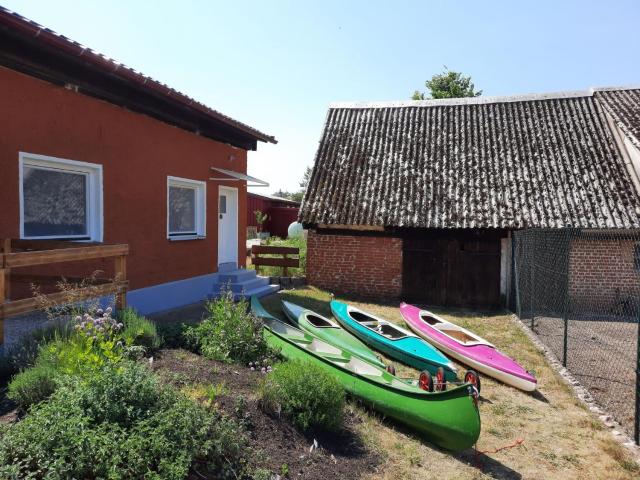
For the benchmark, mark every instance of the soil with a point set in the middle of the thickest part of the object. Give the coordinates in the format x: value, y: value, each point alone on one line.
x: 275, y: 440
x: 8, y: 410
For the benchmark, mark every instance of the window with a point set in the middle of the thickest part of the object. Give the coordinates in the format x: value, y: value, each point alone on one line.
x: 186, y: 212
x: 60, y: 198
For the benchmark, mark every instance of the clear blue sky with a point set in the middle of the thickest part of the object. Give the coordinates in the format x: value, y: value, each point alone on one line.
x: 278, y: 64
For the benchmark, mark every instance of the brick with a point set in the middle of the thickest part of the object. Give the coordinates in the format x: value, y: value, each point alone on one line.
x: 366, y: 266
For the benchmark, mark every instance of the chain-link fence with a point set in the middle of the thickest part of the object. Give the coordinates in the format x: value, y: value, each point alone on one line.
x: 579, y: 291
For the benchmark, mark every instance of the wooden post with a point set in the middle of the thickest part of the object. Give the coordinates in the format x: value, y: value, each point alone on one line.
x: 6, y: 248
x: 121, y: 276
x: 285, y: 269
x: 2, y: 299
x: 4, y: 284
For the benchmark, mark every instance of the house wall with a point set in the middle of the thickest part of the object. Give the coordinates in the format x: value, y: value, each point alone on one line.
x: 281, y: 214
x: 364, y: 265
x: 602, y: 275
x: 137, y: 153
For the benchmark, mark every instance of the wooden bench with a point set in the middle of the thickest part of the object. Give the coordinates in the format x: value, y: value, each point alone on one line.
x: 285, y: 262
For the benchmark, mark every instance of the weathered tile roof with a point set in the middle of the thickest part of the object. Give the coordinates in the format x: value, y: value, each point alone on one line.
x: 488, y: 162
x: 624, y: 107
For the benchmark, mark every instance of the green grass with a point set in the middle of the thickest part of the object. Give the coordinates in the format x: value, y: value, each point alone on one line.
x: 562, y: 439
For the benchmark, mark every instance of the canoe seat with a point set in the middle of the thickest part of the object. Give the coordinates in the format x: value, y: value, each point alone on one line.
x: 390, y: 332
x: 363, y: 368
x: 299, y: 340
x: 324, y: 348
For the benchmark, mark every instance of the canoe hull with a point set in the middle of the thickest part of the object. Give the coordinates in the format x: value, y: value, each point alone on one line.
x: 410, y: 350
x: 448, y: 419
x: 460, y: 353
x: 452, y: 423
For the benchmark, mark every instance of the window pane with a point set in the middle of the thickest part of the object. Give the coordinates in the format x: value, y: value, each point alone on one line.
x: 182, y: 210
x: 223, y: 204
x: 55, y: 203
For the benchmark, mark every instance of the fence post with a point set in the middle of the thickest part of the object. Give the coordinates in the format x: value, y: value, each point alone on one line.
x: 2, y: 300
x: 5, y: 246
x: 566, y: 335
x: 636, y: 418
x: 567, y: 300
x: 121, y: 276
x: 533, y: 281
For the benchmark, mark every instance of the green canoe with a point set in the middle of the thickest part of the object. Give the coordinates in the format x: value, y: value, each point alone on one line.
x: 449, y: 419
x: 328, y: 330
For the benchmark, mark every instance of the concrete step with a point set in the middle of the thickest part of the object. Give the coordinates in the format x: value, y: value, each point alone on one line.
x: 236, y: 276
x: 249, y: 284
x: 260, y: 291
x: 227, y: 267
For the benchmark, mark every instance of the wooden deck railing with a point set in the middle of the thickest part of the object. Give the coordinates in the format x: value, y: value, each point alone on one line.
x: 285, y: 262
x: 28, y: 253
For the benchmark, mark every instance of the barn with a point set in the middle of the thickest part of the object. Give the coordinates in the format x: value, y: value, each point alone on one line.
x: 95, y: 152
x: 419, y: 199
x: 281, y: 212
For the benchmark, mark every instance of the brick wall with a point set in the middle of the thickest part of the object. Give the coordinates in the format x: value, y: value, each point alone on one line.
x: 369, y: 266
x: 602, y: 274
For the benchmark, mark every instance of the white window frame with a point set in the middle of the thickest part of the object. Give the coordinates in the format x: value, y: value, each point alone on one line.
x: 201, y: 207
x: 93, y: 172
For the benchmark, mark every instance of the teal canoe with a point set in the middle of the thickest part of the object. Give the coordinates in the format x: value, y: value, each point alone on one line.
x: 392, y: 340
x: 328, y: 330
x: 449, y: 419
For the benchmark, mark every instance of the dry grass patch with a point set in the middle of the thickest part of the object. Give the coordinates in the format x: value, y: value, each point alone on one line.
x: 562, y: 439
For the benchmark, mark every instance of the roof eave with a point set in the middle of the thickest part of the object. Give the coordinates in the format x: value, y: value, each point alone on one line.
x: 57, y: 47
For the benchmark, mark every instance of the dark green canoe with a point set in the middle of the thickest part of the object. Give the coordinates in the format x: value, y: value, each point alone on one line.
x: 449, y: 419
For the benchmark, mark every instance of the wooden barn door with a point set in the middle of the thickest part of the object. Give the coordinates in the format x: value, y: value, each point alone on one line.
x: 452, y: 268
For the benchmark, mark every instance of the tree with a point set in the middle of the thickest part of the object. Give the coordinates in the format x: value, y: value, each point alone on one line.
x: 305, y: 179
x: 296, y: 196
x: 448, y: 84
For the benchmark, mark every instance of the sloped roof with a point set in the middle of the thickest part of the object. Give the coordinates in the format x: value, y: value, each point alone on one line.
x: 624, y: 107
x: 487, y: 162
x: 65, y: 60
x: 274, y: 198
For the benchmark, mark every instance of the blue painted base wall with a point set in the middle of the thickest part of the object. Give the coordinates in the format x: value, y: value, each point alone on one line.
x: 171, y: 295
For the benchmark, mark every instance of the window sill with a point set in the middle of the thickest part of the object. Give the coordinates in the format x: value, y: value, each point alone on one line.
x: 186, y: 237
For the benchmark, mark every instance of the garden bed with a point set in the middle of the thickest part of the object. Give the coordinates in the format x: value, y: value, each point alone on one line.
x: 547, y: 434
x: 279, y: 447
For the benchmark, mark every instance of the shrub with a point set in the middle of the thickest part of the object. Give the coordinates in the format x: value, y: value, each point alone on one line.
x: 119, y: 424
x: 137, y: 390
x: 33, y: 385
x: 81, y: 350
x: 310, y: 396
x: 229, y: 333
x: 139, y: 330
x: 172, y: 334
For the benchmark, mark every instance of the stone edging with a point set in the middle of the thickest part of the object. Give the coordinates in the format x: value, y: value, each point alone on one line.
x: 288, y: 282
x: 582, y: 393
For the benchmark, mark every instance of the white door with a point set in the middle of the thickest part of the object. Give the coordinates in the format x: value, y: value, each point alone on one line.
x: 227, y: 225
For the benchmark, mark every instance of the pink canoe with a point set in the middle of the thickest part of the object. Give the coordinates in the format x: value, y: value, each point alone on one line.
x: 467, y: 347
